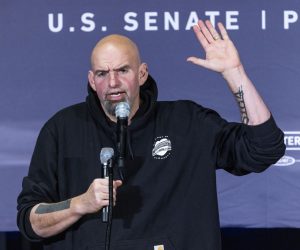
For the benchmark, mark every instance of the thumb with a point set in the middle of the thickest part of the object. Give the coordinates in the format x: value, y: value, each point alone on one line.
x: 118, y: 183
x: 197, y: 61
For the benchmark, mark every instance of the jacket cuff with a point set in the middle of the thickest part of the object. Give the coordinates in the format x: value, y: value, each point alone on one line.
x: 262, y: 130
x: 28, y: 231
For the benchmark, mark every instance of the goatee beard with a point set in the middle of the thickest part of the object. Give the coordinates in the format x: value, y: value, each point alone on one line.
x: 109, y: 107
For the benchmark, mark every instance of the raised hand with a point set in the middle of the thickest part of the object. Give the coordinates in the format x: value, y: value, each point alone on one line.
x: 221, y: 54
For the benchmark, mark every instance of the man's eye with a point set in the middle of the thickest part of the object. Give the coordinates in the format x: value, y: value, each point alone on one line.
x: 123, y: 71
x: 101, y: 74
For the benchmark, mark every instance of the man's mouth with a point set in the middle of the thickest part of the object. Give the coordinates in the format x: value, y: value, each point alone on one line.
x: 115, y: 96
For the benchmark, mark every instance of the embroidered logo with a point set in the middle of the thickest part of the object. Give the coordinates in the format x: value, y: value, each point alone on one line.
x: 162, y: 147
x: 159, y: 247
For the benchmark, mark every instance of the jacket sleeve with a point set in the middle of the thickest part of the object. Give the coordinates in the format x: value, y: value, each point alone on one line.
x: 242, y: 149
x: 40, y: 185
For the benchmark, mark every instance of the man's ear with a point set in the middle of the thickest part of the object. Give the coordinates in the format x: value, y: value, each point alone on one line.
x: 91, y: 80
x: 143, y: 73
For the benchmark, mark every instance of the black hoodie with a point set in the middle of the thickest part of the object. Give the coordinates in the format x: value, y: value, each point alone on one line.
x: 169, y: 196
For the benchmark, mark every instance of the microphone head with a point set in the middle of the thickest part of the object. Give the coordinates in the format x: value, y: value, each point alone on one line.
x: 122, y: 110
x: 106, y: 154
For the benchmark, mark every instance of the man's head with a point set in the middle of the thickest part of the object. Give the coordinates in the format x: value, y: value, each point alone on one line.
x: 117, y: 73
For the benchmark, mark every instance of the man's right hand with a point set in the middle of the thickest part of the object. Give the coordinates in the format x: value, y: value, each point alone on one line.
x: 48, y: 219
x: 96, y: 197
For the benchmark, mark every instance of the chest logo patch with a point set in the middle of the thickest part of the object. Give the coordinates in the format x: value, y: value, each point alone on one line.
x: 162, y: 147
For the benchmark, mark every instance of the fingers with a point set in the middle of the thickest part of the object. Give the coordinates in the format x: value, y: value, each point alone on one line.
x: 102, y: 184
x: 200, y: 36
x: 207, y: 34
x: 100, y: 191
x: 223, y: 31
x: 215, y: 35
x: 117, y: 183
x: 207, y: 30
x: 210, y: 39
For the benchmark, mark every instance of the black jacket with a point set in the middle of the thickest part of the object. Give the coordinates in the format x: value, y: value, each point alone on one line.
x: 169, y: 196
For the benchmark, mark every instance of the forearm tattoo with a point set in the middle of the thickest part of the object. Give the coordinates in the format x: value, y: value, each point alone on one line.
x: 50, y: 208
x: 240, y: 99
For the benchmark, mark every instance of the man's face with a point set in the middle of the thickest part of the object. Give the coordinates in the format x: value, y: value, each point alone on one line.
x: 115, y: 76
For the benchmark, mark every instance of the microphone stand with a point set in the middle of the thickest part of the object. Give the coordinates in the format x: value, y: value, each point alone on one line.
x: 122, y: 124
x: 122, y: 112
x: 110, y: 206
x: 106, y: 158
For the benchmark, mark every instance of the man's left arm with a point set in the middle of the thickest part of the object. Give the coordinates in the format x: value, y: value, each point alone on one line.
x: 223, y: 57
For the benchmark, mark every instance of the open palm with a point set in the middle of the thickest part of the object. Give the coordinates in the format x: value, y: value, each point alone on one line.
x: 221, y: 54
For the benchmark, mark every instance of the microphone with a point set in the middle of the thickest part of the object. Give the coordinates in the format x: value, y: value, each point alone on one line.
x: 122, y: 112
x: 106, y: 155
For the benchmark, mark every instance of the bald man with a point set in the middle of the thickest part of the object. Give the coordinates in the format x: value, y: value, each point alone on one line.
x: 117, y: 73
x: 168, y: 199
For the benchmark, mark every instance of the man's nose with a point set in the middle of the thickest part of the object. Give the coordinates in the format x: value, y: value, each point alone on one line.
x: 113, y: 79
